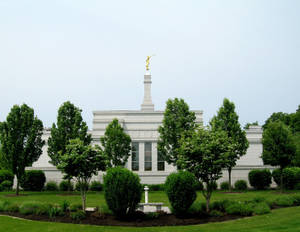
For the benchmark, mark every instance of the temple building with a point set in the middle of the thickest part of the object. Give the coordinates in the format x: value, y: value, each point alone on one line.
x: 142, y: 126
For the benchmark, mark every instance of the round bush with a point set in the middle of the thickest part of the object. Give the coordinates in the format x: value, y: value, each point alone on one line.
x: 65, y: 185
x: 51, y: 186
x: 181, y: 191
x: 240, y: 185
x: 96, y: 186
x: 224, y: 185
x: 261, y: 208
x: 290, y: 177
x: 33, y: 180
x: 122, y: 191
x: 7, y: 185
x: 260, y: 178
x: 6, y: 175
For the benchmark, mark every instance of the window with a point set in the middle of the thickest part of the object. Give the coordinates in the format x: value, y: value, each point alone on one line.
x: 135, y: 157
x: 160, y: 162
x: 148, y: 156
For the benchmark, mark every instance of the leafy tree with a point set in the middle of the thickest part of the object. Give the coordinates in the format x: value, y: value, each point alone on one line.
x: 70, y: 125
x: 21, y: 140
x: 295, y: 121
x: 227, y: 120
x: 247, y: 126
x: 116, y: 144
x: 178, y: 120
x: 205, y: 154
x: 279, y: 116
x: 82, y: 162
x: 278, y: 146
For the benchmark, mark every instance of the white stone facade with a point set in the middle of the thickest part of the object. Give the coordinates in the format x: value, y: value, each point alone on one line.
x: 142, y: 126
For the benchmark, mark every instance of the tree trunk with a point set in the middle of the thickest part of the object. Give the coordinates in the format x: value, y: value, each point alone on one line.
x: 83, y: 197
x: 229, y: 180
x: 281, y: 181
x: 207, y: 204
x: 17, y: 190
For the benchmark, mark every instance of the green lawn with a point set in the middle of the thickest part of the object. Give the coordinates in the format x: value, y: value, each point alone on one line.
x: 281, y: 220
x: 97, y: 199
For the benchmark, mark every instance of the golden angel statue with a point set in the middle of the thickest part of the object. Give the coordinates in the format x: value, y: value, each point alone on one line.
x: 148, y: 62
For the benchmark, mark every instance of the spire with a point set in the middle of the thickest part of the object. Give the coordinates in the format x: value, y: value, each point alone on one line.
x: 147, y: 103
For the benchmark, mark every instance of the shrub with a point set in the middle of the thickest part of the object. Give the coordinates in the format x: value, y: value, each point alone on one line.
x: 123, y: 191
x: 181, y: 191
x: 296, y: 199
x: 6, y: 175
x: 75, y: 207
x: 1, y: 188
x: 290, y: 177
x: 239, y: 208
x: 65, y: 206
x: 261, y: 208
x: 33, y: 180
x: 260, y: 178
x: 297, y: 186
x: 284, y: 201
x: 78, y: 216
x: 197, y: 208
x: 96, y: 186
x: 7, y: 185
x: 240, y: 185
x: 55, y: 211
x: 216, y: 213
x: 224, y: 185
x: 3, y: 205
x: 65, y: 185
x: 33, y: 208
x: 51, y: 186
x: 11, y: 208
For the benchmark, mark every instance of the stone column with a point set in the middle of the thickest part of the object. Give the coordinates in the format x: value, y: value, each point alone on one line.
x: 147, y: 103
x: 154, y: 156
x: 141, y: 156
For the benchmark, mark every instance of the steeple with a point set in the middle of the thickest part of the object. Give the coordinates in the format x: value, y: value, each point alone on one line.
x: 147, y: 103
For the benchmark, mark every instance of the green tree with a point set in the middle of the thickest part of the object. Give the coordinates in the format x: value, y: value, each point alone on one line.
x: 278, y: 146
x: 178, y: 121
x: 279, y: 116
x: 21, y: 140
x: 247, y: 126
x: 205, y: 154
x: 70, y: 125
x: 82, y: 162
x: 116, y: 144
x: 228, y: 121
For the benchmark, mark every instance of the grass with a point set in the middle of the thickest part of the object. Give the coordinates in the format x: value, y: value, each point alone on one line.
x: 280, y: 220
x: 97, y: 198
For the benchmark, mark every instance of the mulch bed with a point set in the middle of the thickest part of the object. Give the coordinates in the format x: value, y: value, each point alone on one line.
x: 109, y: 220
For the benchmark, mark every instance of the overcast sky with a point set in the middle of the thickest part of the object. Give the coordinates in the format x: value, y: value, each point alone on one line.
x: 93, y: 53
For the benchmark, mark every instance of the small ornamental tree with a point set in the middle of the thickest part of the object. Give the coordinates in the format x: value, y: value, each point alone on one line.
x: 178, y: 120
x: 116, y: 144
x: 227, y: 120
x: 205, y: 154
x: 70, y: 125
x: 278, y: 146
x: 82, y: 162
x: 21, y: 140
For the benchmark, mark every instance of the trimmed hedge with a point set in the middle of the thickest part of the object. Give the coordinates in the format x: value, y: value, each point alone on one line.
x: 240, y: 185
x: 6, y: 175
x: 65, y: 185
x: 224, y: 185
x: 181, y: 191
x: 260, y: 178
x: 122, y: 191
x: 51, y: 186
x: 33, y: 180
x: 96, y: 186
x: 290, y: 177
